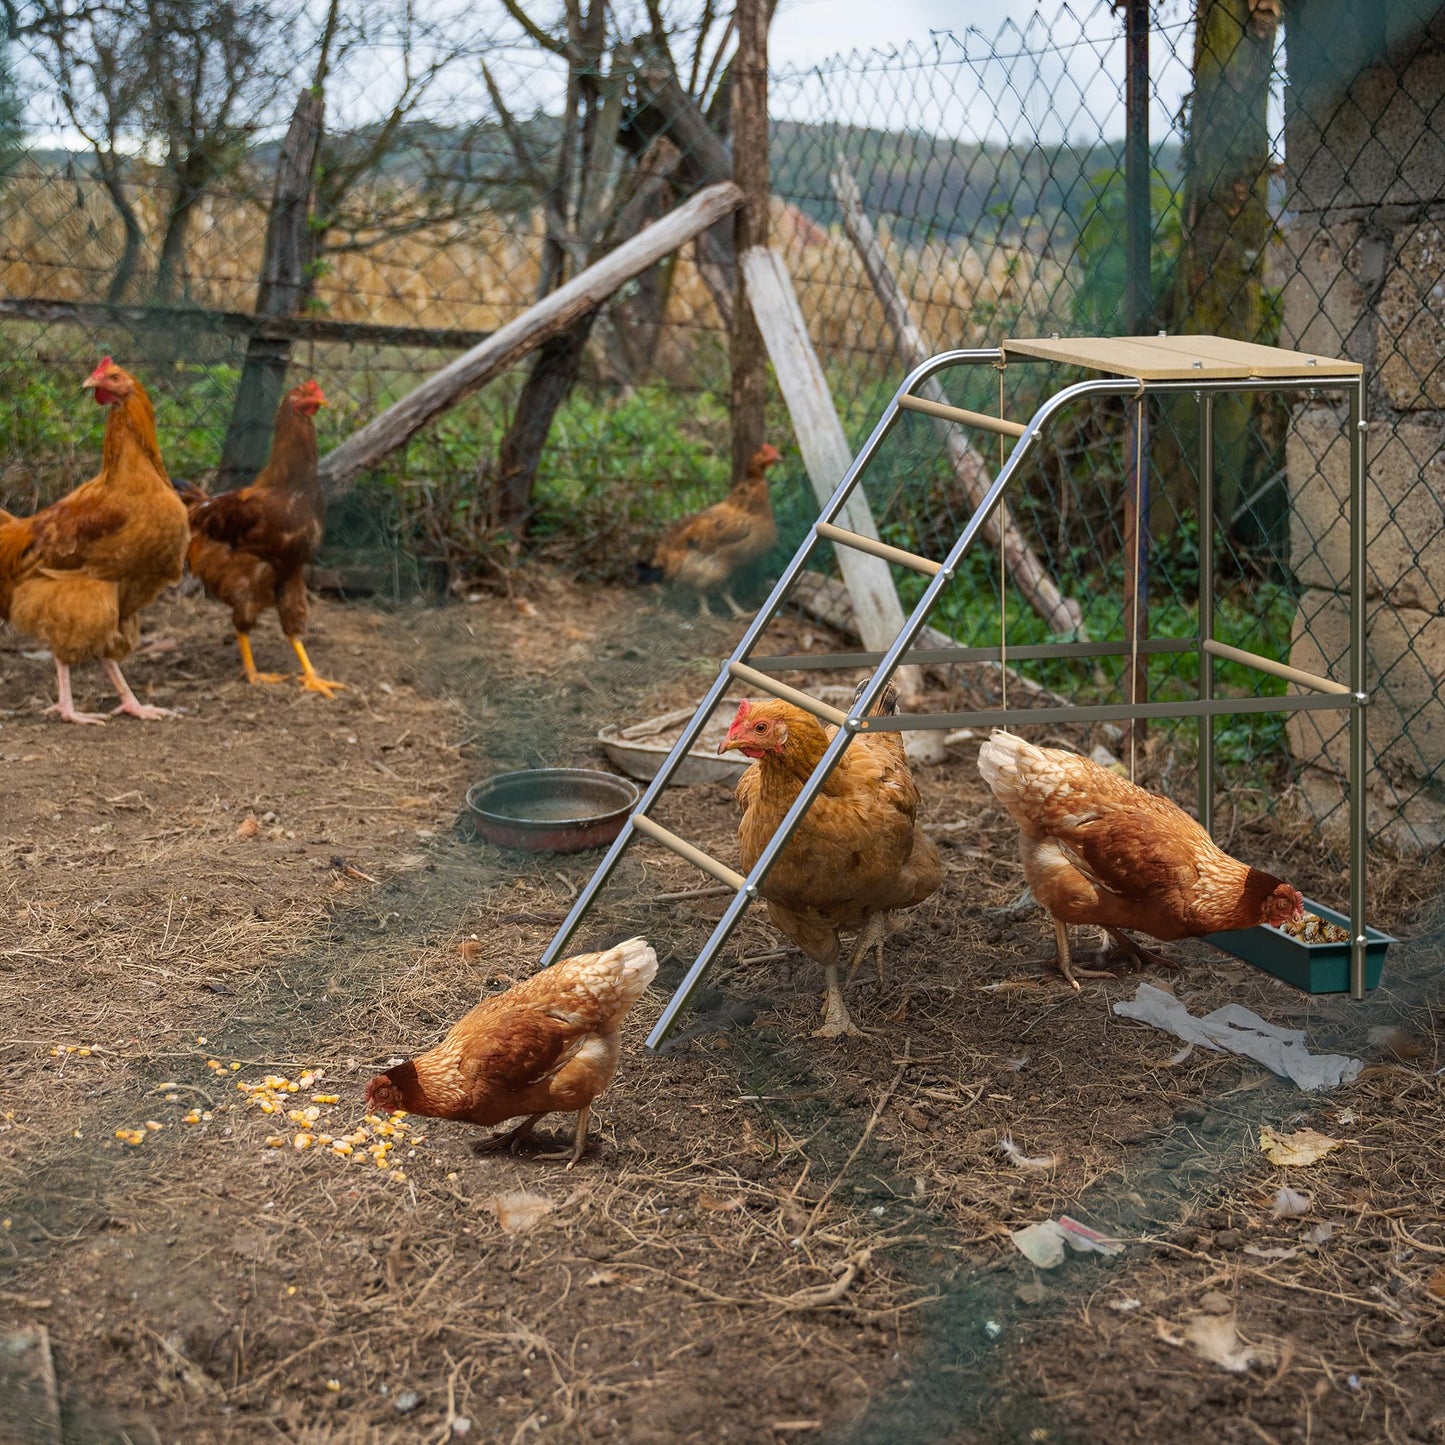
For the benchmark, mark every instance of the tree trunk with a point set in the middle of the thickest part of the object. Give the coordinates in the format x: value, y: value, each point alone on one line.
x: 192, y: 179
x: 125, y: 268
x: 285, y: 283
x: 553, y: 373
x: 1225, y: 225
x: 746, y: 356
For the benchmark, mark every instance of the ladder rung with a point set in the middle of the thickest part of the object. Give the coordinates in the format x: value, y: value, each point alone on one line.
x: 764, y: 683
x: 960, y: 414
x: 877, y: 549
x: 1275, y: 669
x: 684, y: 849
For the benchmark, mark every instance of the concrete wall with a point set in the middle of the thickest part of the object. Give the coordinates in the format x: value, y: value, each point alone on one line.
x: 1365, y: 155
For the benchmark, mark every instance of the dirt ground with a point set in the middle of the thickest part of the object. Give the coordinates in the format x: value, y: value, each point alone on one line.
x: 772, y: 1237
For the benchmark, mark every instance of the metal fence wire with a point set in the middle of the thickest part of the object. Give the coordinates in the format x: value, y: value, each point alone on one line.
x: 452, y: 178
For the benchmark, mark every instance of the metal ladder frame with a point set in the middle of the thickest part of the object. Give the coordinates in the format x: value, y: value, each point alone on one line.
x: 1324, y: 694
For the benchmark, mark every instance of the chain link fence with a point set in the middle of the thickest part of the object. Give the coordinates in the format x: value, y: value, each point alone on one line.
x: 460, y: 176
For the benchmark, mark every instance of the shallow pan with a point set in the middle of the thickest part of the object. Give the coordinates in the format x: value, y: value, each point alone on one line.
x: 552, y: 810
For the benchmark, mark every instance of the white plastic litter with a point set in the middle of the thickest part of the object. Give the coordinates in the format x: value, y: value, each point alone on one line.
x: 1237, y: 1030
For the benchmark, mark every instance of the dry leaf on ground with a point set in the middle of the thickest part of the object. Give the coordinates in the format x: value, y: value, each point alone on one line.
x: 1306, y: 1146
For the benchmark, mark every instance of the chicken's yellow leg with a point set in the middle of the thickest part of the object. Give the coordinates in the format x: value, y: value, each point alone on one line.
x: 1065, y: 964
x: 309, y: 678
x: 579, y: 1146
x: 243, y: 641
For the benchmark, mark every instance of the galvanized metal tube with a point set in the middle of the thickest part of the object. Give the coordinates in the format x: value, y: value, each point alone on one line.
x: 1206, y: 608
x: 863, y: 703
x: 1359, y: 740
x: 756, y: 874
x: 761, y: 680
x: 687, y: 851
x: 845, y: 538
x: 971, y: 356
x: 929, y: 656
x: 980, y: 419
x: 1108, y: 712
x: 1275, y: 669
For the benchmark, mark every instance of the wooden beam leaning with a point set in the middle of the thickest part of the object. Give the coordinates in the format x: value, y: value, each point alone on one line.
x: 709, y: 865
x: 876, y: 548
x: 510, y: 343
x: 980, y: 419
x: 764, y: 683
x: 1275, y: 669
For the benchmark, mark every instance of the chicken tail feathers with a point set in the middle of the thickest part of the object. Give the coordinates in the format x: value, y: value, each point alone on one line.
x: 886, y: 703
x: 1006, y: 761
x: 632, y: 965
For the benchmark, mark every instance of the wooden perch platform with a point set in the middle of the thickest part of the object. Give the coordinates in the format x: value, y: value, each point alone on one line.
x: 510, y: 343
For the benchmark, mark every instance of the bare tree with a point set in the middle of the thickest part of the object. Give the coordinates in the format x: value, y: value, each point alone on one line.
x: 193, y: 79
x: 613, y: 165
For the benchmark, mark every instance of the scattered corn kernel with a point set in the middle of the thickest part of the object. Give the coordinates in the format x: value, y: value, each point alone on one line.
x: 303, y: 1141
x: 84, y: 1053
x: 165, y: 1088
x: 326, y: 1098
x: 290, y: 1289
x: 5, y: 1223
x: 451, y: 1176
x: 340, y: 1146
x: 201, y: 1039
x: 235, y: 1065
x: 130, y: 1136
x: 397, y: 1174
x: 153, y: 1126
x: 334, y: 1386
x: 272, y: 1142
x: 192, y: 1118
x: 292, y: 1087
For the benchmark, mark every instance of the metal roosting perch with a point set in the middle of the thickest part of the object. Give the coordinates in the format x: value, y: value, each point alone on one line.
x: 1132, y: 369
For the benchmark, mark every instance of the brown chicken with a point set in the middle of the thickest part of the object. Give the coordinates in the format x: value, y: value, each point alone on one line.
x: 703, y: 552
x: 857, y: 854
x: 1099, y: 849
x: 76, y: 574
x: 251, y: 547
x: 548, y: 1043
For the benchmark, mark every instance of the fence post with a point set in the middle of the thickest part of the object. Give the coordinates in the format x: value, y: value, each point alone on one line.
x: 1137, y: 224
x: 747, y: 359
x: 283, y: 286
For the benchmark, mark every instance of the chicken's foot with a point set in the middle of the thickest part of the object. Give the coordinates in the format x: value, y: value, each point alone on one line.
x: 703, y: 610
x: 1064, y: 963
x: 129, y: 702
x: 309, y: 678
x: 511, y: 1137
x: 836, y: 1019
x: 243, y: 642
x: 733, y: 606
x: 65, y: 707
x: 573, y: 1154
x: 1125, y: 947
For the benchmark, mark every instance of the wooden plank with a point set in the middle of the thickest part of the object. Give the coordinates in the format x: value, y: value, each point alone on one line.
x: 826, y: 455
x: 1173, y: 358
x: 1030, y: 576
x: 509, y: 344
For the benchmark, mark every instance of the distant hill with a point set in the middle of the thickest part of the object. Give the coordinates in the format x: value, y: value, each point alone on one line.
x: 932, y: 188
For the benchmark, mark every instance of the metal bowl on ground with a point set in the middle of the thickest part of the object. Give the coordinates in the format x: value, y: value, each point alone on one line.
x: 552, y: 810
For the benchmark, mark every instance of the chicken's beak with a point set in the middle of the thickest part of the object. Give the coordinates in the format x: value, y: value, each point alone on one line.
x: 726, y: 745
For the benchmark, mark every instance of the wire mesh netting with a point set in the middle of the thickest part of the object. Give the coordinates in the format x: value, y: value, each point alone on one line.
x: 455, y: 177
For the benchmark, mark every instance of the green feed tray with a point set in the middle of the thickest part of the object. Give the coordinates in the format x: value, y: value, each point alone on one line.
x: 1313, y: 967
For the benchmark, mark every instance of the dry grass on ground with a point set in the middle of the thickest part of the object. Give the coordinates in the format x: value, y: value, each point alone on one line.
x: 772, y: 1238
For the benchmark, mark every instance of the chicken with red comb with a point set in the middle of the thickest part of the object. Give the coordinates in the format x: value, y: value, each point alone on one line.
x: 250, y: 548
x: 77, y: 574
x: 856, y: 856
